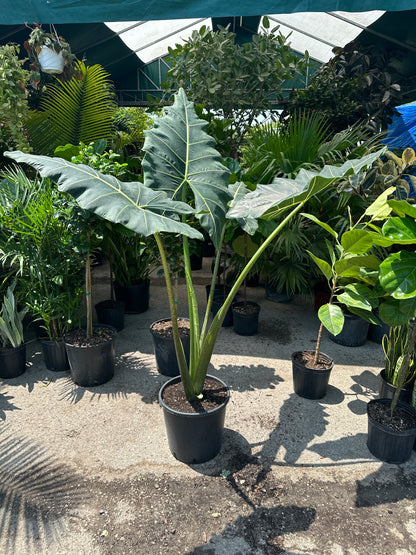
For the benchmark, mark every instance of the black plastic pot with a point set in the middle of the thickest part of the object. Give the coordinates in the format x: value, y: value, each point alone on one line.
x: 165, y: 353
x: 217, y: 303
x: 218, y: 290
x: 246, y: 323
x: 194, y: 437
x: 12, y: 361
x: 391, y: 446
x: 387, y: 390
x: 353, y: 334
x: 196, y: 262
x: 308, y: 382
x: 272, y: 294
x: 93, y: 365
x: 135, y: 297
x: 375, y: 333
x: 111, y: 313
x: 54, y: 355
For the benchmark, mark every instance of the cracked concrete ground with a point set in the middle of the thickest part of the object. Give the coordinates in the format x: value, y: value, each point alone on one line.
x: 88, y: 470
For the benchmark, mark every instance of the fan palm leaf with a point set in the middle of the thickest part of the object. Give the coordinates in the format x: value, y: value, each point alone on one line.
x: 79, y: 110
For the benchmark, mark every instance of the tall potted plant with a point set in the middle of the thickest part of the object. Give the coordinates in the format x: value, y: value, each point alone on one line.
x: 183, y: 174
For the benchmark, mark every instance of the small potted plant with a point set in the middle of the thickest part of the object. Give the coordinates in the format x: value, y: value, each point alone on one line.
x: 13, y: 348
x: 50, y: 53
x: 183, y: 174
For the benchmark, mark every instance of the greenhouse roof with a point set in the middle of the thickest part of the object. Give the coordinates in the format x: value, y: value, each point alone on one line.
x: 137, y: 33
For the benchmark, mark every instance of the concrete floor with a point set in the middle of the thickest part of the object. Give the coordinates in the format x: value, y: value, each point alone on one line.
x: 81, y: 469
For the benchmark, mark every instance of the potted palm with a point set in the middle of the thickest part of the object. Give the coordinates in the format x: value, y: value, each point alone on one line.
x: 183, y: 174
x: 13, y: 348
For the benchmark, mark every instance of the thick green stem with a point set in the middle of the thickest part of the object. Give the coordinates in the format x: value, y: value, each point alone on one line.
x: 180, y: 355
x: 208, y: 344
x: 88, y: 289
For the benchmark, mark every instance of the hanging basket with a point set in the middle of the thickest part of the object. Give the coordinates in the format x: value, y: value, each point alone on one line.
x: 50, y: 61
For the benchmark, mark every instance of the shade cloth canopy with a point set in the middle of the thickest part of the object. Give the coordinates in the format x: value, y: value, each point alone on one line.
x: 14, y: 12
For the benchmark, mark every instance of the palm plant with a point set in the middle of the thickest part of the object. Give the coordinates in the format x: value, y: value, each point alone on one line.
x: 183, y: 174
x: 79, y: 110
x: 304, y: 141
x: 38, y: 242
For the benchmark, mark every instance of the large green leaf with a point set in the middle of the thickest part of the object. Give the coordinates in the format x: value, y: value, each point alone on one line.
x: 397, y: 312
x: 268, y: 201
x: 357, y: 241
x: 400, y: 230
x: 403, y: 208
x: 322, y: 265
x: 180, y: 158
x: 350, y: 267
x: 357, y: 296
x: 398, y: 275
x: 332, y: 318
x: 132, y: 204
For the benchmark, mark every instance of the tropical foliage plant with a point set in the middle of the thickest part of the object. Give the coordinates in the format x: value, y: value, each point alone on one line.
x: 183, y: 174
x: 40, y: 244
x: 80, y: 110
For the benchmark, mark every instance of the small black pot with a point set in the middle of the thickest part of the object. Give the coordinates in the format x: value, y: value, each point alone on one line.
x: 387, y: 390
x: 93, y: 365
x: 165, y: 354
x: 218, y: 290
x: 353, y: 334
x: 194, y: 437
x: 12, y: 361
x: 135, y: 297
x: 54, y: 354
x: 272, y: 294
x: 308, y: 382
x: 111, y: 313
x: 246, y: 323
x: 217, y: 303
x: 196, y: 262
x: 391, y: 446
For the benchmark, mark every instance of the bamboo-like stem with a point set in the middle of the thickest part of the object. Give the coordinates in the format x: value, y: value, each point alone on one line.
x: 88, y: 288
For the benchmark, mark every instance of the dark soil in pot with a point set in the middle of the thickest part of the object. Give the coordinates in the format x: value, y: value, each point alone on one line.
x: 306, y: 359
x: 79, y: 338
x: 399, y: 422
x: 214, y: 395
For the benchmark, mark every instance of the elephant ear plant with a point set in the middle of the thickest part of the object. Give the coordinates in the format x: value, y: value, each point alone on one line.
x: 183, y: 174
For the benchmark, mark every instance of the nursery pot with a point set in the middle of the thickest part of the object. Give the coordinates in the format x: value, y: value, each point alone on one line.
x: 50, y: 61
x: 135, y: 297
x: 310, y: 383
x: 164, y: 345
x: 272, y: 294
x: 387, y: 390
x: 93, y: 364
x: 353, y: 334
x: 54, y: 354
x: 196, y: 262
x: 217, y: 303
x: 376, y: 333
x: 246, y: 317
x: 194, y: 437
x: 392, y: 446
x: 12, y: 361
x: 111, y: 313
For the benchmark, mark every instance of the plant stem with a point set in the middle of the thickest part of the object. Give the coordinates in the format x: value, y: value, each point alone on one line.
x: 180, y: 355
x: 88, y: 288
x: 321, y: 327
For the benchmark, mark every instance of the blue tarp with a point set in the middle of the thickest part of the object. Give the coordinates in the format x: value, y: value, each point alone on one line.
x: 402, y: 130
x: 14, y: 12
